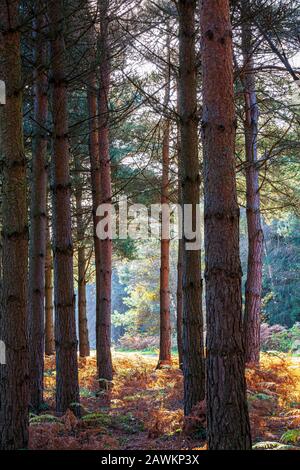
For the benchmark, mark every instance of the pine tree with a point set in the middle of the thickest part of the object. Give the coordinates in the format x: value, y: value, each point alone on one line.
x: 255, y: 234
x: 49, y: 324
x: 227, y: 413
x: 193, y: 350
x: 84, y: 346
x: 165, y: 320
x: 67, y: 388
x: 103, y: 315
x: 14, y: 375
x: 38, y: 215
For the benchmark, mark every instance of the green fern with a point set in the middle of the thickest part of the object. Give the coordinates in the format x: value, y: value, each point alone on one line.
x: 44, y: 419
x: 100, y: 419
x: 293, y: 435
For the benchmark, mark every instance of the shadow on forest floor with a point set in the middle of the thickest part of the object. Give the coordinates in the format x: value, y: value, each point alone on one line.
x: 144, y: 408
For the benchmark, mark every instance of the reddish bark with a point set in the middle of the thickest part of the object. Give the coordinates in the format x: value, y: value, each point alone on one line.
x: 193, y: 350
x: 165, y: 320
x: 14, y: 375
x: 165, y: 317
x: 255, y: 233
x: 179, y: 291
x: 95, y: 173
x: 84, y: 346
x: 92, y: 93
x: 103, y: 315
x: 38, y: 217
x: 67, y: 389
x: 227, y: 413
x: 49, y: 326
x: 179, y: 296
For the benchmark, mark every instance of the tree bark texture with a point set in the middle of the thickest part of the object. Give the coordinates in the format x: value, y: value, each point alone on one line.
x: 38, y: 216
x: 49, y: 323
x: 67, y: 389
x: 103, y: 319
x: 95, y: 173
x: 165, y: 316
x: 193, y: 349
x: 165, y: 320
x: 179, y: 290
x: 179, y: 293
x: 84, y: 346
x: 253, y: 286
x: 92, y: 94
x: 14, y: 375
x: 227, y: 412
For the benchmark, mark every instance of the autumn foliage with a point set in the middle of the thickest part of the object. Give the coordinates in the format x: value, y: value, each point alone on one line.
x: 142, y: 408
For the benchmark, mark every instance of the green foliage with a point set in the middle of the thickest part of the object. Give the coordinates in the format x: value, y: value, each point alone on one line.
x: 46, y: 418
x: 270, y: 445
x: 141, y: 278
x: 97, y: 419
x: 281, y: 272
x: 281, y: 265
x: 262, y: 396
x: 86, y: 393
x: 291, y: 436
x: 279, y: 338
x: 124, y: 422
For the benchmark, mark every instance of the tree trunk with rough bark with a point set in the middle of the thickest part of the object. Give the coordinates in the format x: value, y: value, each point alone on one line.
x: 67, y: 388
x: 179, y: 291
x: 165, y: 320
x: 92, y: 104
x: 253, y: 286
x: 38, y: 216
x: 227, y: 411
x: 165, y: 316
x: 84, y: 346
x: 49, y: 324
x: 95, y: 172
x: 14, y: 375
x: 103, y: 319
x: 193, y: 349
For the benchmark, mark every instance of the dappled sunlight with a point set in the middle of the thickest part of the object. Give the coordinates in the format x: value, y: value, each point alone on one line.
x: 143, y: 409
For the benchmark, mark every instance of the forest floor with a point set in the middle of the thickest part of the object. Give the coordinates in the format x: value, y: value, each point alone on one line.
x: 143, y: 410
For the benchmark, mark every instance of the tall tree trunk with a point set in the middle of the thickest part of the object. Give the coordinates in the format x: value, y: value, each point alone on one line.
x: 92, y: 93
x: 179, y: 298
x: 179, y: 290
x: 95, y: 173
x: 84, y: 346
x: 103, y: 320
x: 255, y: 232
x: 49, y: 325
x: 227, y: 412
x: 67, y: 389
x: 14, y: 375
x: 193, y: 350
x: 38, y: 216
x: 165, y: 320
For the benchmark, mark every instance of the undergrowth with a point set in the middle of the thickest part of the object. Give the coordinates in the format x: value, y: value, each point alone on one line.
x: 143, y: 410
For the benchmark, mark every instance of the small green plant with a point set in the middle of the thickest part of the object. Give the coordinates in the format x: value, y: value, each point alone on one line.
x: 46, y: 418
x: 49, y: 373
x: 291, y: 436
x: 128, y: 423
x: 86, y: 393
x: 97, y: 419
